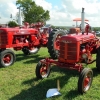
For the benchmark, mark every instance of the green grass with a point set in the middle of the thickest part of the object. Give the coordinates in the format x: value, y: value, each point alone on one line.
x: 19, y: 82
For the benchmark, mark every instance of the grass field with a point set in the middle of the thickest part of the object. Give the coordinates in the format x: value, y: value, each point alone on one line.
x: 18, y: 82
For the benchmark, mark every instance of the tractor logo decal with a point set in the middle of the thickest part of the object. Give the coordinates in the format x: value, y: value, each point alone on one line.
x: 66, y: 41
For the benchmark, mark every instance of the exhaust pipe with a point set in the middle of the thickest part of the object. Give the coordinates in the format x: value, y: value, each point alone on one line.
x: 82, y: 21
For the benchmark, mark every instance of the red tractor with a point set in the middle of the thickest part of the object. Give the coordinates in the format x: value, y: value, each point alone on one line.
x: 71, y: 52
x: 27, y: 39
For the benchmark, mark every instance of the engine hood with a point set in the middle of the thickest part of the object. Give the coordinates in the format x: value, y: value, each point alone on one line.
x: 77, y: 37
x: 17, y: 31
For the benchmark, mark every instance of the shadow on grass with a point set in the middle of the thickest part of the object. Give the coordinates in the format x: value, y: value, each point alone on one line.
x: 39, y: 88
x: 29, y: 58
x: 20, y: 57
x: 72, y: 94
x: 35, y: 60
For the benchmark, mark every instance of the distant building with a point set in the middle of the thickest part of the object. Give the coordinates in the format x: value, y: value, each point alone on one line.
x: 3, y: 25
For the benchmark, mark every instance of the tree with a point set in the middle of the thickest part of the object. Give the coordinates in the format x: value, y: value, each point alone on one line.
x: 96, y: 28
x: 12, y: 24
x: 32, y: 12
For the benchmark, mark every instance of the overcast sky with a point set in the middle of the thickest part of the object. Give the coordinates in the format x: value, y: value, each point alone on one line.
x: 62, y: 12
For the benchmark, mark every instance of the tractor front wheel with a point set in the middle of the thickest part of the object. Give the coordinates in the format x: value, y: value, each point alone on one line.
x: 7, y: 58
x: 85, y: 80
x: 42, y: 70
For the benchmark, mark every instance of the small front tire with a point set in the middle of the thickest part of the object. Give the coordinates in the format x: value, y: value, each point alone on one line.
x: 42, y: 70
x: 85, y: 80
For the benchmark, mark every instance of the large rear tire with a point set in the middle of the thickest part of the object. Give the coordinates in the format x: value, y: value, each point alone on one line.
x: 98, y: 59
x: 85, y: 80
x: 7, y: 58
x: 53, y: 43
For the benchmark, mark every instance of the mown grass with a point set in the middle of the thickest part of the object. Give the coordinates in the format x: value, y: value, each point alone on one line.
x: 19, y: 82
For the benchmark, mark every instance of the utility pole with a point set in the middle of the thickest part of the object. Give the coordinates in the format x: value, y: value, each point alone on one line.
x: 19, y: 17
x: 11, y: 16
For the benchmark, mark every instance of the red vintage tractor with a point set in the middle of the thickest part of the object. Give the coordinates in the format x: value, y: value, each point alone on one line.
x: 27, y: 39
x: 53, y: 40
x: 73, y: 50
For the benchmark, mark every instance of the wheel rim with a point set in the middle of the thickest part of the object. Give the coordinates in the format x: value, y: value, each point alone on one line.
x: 44, y: 71
x: 7, y: 59
x: 87, y: 81
x: 34, y: 50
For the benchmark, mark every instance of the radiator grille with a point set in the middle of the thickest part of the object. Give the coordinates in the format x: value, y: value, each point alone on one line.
x: 62, y: 49
x: 3, y: 38
x: 68, y: 51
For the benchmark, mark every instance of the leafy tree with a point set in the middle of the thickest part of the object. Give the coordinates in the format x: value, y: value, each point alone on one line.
x: 12, y: 24
x: 96, y: 28
x: 32, y: 12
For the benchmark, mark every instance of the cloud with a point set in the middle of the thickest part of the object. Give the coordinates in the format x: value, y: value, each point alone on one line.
x: 44, y: 4
x: 92, y: 9
x: 57, y: 16
x: 62, y: 15
x: 69, y: 10
x: 7, y: 8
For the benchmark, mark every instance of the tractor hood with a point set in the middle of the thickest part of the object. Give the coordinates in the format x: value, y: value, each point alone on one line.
x: 17, y: 31
x: 77, y: 37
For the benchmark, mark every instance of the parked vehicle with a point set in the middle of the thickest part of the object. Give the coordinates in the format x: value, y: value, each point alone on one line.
x: 24, y: 38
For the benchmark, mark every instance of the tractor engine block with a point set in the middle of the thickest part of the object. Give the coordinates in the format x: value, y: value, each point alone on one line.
x: 77, y: 48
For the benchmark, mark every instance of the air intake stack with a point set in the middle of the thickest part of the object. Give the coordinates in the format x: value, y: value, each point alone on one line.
x: 82, y: 21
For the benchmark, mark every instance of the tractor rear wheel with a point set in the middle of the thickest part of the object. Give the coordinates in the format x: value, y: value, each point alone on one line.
x: 7, y: 58
x: 42, y: 71
x: 85, y: 80
x: 53, y: 43
x: 26, y: 51
x: 98, y: 59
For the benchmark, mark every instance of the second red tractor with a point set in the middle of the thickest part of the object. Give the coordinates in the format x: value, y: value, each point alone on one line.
x: 28, y: 39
